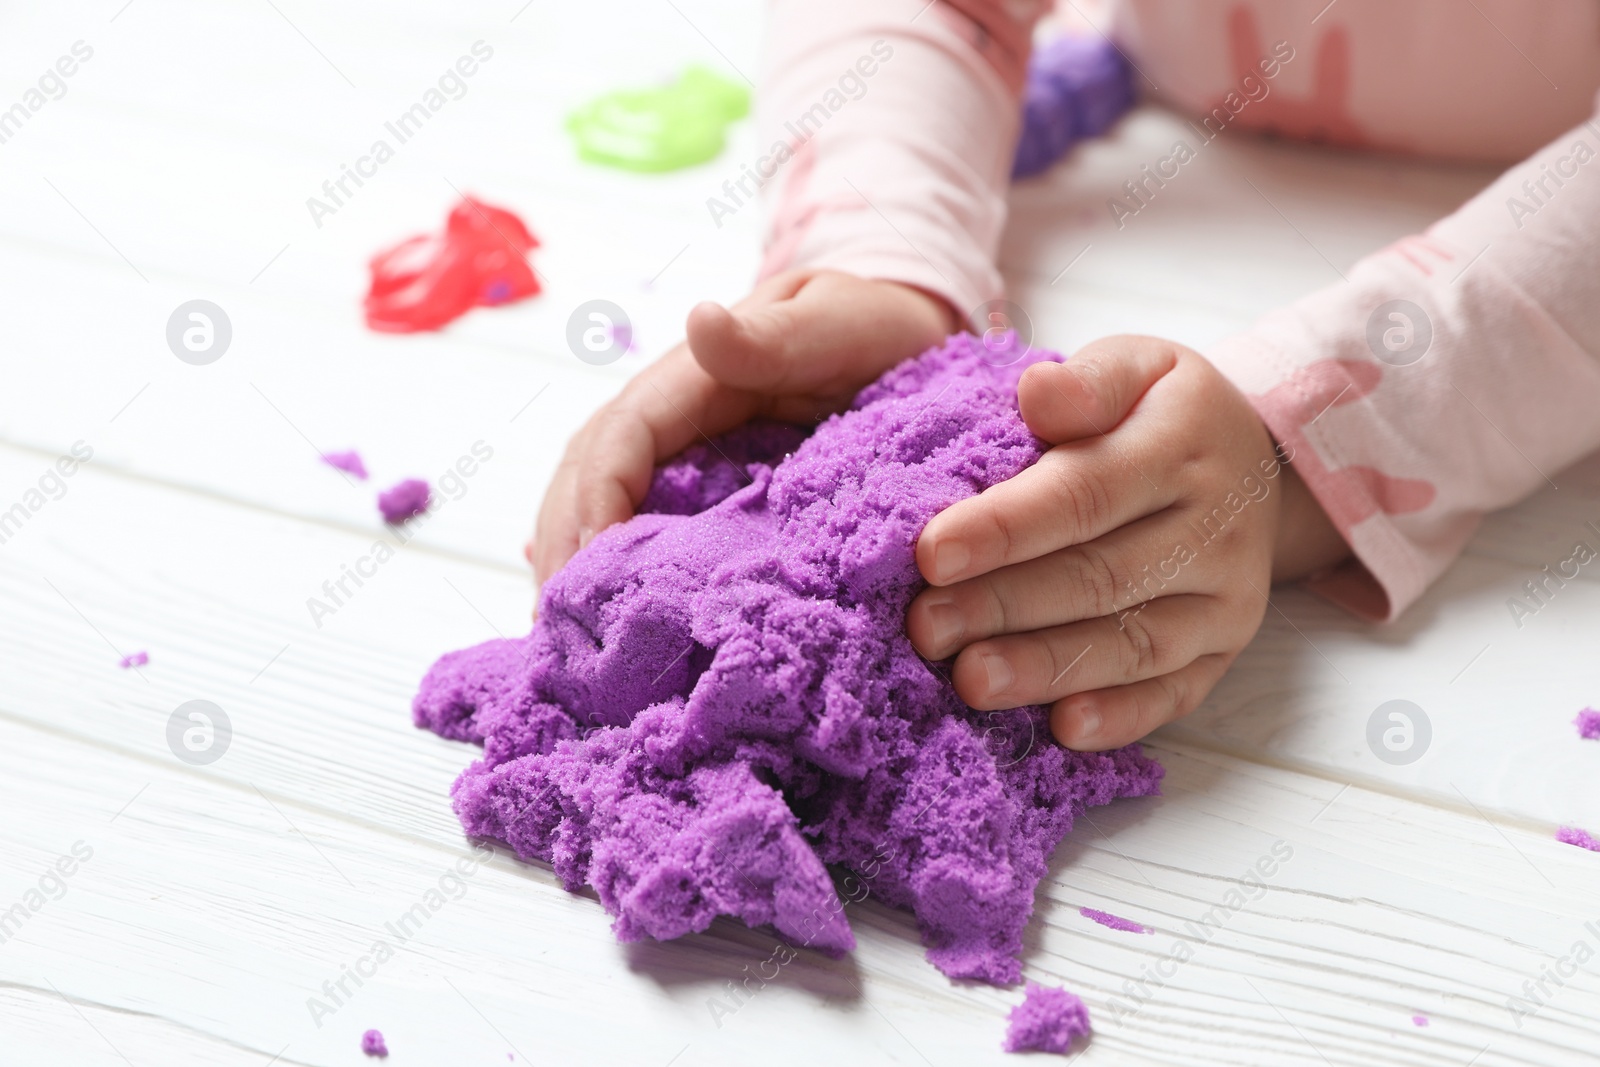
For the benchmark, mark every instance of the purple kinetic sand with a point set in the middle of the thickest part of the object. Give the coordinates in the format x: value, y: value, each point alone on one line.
x: 134, y: 659
x: 1047, y: 1020
x: 1571, y: 835
x: 1419, y: 1020
x: 349, y: 462
x: 372, y: 1043
x: 718, y: 697
x: 1105, y: 918
x: 407, y: 499
x: 1588, y: 724
x: 1078, y: 86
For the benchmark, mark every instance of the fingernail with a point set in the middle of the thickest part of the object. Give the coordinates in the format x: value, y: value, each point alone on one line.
x: 999, y: 672
x: 946, y: 624
x: 950, y: 559
x: 1088, y: 722
x: 585, y: 535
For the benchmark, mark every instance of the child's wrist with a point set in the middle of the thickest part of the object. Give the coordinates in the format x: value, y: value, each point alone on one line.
x: 950, y: 319
x: 1307, y: 540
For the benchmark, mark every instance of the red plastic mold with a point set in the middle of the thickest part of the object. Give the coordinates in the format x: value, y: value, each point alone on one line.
x: 427, y: 281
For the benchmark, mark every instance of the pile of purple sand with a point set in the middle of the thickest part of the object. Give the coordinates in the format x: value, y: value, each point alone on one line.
x: 718, y: 697
x: 1048, y: 1020
x: 1078, y: 87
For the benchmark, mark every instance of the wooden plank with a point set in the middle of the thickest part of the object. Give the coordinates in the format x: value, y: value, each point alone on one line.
x: 1207, y: 237
x: 1498, y: 698
x: 251, y: 426
x: 216, y: 156
x: 220, y: 897
x: 1385, y: 902
x: 210, y: 201
x: 55, y: 1027
x: 1302, y: 694
x: 220, y: 906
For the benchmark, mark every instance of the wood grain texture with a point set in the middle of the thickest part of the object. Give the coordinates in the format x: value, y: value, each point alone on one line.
x: 219, y: 898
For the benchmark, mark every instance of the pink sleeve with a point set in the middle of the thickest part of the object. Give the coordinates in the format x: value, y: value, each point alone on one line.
x: 1451, y: 374
x: 1490, y: 80
x: 889, y: 127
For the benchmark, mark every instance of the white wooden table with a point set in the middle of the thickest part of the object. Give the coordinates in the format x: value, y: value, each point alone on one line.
x: 217, y: 899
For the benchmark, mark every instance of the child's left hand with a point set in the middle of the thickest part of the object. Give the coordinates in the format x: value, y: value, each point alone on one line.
x: 1119, y: 577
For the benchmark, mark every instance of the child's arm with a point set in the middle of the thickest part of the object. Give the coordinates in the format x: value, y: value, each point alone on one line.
x: 901, y: 117
x: 887, y: 198
x: 1451, y: 374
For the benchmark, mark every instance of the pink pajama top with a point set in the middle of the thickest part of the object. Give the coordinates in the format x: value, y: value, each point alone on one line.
x: 906, y: 180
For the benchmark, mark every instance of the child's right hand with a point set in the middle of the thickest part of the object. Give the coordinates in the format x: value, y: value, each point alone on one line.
x: 797, y: 348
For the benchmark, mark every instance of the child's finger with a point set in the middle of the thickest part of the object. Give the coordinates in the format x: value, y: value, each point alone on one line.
x: 1157, y: 638
x: 608, y: 465
x: 555, y: 536
x: 1111, y: 718
x: 834, y: 330
x: 1095, y: 389
x: 613, y: 472
x: 1145, y: 559
x: 1075, y: 493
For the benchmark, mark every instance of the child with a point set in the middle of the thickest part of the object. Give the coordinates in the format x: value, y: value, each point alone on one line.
x: 1353, y: 439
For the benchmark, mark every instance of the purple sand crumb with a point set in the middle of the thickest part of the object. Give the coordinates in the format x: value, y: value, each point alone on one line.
x: 1419, y: 1020
x: 372, y: 1044
x: 1571, y: 835
x: 1105, y: 918
x: 1588, y: 724
x: 350, y: 462
x: 134, y: 659
x: 1047, y: 1020
x: 718, y: 698
x: 404, y: 500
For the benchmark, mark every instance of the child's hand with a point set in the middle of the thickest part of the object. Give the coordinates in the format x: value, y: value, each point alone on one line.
x: 797, y: 348
x: 1119, y: 577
